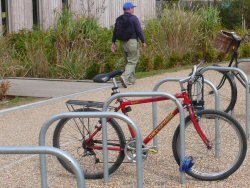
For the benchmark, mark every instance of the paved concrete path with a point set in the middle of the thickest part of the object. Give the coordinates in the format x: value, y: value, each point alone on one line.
x: 22, y: 127
x: 51, y: 88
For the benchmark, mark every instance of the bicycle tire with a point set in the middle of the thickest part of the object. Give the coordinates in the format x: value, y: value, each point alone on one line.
x: 231, y: 143
x: 227, y: 90
x: 70, y: 131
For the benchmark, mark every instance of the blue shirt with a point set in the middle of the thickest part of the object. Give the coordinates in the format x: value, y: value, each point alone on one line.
x: 137, y: 30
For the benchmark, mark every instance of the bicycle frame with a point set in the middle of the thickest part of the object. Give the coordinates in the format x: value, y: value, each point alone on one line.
x: 186, y: 103
x: 235, y: 58
x: 237, y: 75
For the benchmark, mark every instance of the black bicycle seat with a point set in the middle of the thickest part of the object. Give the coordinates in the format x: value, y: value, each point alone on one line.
x: 103, y: 78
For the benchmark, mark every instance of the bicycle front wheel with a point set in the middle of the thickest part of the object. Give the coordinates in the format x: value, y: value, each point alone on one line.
x: 224, y: 84
x: 82, y: 138
x: 213, y: 164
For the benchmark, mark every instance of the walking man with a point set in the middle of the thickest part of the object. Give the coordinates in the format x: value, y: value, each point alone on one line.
x: 128, y: 30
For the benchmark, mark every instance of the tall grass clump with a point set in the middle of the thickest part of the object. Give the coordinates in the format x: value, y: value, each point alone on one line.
x: 6, y: 66
x: 28, y: 50
x: 244, y: 50
x: 211, y: 21
x: 76, y: 48
x: 72, y: 42
x: 176, y: 35
x: 210, y: 24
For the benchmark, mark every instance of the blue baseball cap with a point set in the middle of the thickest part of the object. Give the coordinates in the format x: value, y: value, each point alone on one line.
x: 128, y: 5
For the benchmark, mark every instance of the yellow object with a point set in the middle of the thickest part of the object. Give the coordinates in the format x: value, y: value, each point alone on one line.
x: 153, y: 151
x: 3, y: 14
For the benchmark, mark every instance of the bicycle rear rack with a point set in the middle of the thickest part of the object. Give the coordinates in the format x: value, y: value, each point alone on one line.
x: 103, y: 115
x: 80, y: 105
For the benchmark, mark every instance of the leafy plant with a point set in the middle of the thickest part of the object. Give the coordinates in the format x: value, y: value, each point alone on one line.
x: 78, y: 48
x: 210, y: 23
x: 176, y: 33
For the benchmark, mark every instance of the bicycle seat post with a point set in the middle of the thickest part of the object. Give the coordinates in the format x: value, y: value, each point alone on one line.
x: 115, y: 89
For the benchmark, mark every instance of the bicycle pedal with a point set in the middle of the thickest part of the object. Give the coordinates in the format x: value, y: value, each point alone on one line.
x: 153, y: 150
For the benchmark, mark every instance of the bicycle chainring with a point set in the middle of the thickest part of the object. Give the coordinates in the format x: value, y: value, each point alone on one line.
x: 130, y: 151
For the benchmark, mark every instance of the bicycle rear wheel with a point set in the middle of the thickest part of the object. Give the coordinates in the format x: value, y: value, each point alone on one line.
x: 71, y: 135
x: 224, y: 84
x: 232, y: 143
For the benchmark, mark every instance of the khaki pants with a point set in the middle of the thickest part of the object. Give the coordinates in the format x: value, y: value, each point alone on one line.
x: 131, y: 54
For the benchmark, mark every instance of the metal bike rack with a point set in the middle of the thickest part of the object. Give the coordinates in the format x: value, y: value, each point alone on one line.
x: 243, y: 60
x: 138, y: 145
x: 47, y: 150
x: 154, y: 107
x: 240, y: 61
x: 103, y: 115
x: 226, y: 69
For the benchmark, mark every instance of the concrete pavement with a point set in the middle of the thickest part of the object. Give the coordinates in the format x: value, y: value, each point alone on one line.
x: 22, y: 127
x: 50, y: 88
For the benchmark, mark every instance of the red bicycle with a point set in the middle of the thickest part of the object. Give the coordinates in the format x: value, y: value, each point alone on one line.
x: 82, y: 137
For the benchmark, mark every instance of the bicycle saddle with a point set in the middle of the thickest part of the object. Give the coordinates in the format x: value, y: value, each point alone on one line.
x: 103, y: 78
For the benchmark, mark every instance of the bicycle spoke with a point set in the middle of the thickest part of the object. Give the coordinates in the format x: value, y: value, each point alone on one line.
x: 231, y: 150
x: 70, y: 136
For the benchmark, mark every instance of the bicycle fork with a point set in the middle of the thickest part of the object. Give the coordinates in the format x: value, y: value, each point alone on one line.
x: 198, y: 128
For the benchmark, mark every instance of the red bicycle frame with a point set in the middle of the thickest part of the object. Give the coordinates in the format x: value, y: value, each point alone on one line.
x: 186, y: 103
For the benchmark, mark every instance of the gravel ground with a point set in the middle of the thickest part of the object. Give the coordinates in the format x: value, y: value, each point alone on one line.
x: 160, y: 170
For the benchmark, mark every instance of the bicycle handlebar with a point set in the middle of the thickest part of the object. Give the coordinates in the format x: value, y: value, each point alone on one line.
x: 194, y: 70
x: 237, y: 38
x: 192, y: 77
x: 246, y: 35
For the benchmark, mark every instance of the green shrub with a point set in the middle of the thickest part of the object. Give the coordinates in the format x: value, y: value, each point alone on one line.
x: 210, y: 24
x: 177, y: 33
x: 92, y: 70
x: 68, y: 50
x: 210, y: 20
x: 244, y: 50
x: 170, y: 64
x: 145, y: 64
x: 158, y: 63
x: 80, y: 48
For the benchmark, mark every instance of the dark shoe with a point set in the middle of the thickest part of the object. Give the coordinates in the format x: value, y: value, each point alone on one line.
x: 123, y: 82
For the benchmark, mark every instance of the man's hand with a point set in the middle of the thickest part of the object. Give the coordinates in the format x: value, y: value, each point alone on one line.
x: 113, y: 48
x: 144, y: 45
